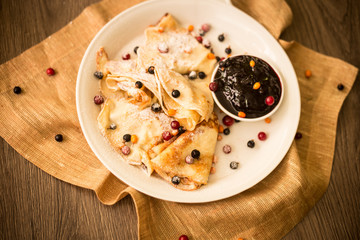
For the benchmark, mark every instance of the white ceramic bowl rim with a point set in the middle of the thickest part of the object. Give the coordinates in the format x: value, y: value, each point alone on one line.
x: 249, y: 119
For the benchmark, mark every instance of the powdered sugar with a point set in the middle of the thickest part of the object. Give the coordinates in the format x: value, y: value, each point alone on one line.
x: 148, y: 114
x: 163, y: 47
x: 179, y: 42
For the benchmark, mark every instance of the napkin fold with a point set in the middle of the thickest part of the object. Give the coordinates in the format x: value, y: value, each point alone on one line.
x: 29, y: 121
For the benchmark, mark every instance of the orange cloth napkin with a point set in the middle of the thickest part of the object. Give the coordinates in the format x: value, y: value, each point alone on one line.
x: 269, y: 210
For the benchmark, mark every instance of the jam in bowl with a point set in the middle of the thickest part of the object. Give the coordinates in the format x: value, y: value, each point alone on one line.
x: 246, y: 88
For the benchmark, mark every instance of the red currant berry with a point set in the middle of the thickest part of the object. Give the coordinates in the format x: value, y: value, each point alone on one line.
x: 125, y: 150
x: 213, y: 86
x: 50, y: 71
x: 199, y: 39
x: 262, y: 136
x: 98, y: 99
x: 183, y: 237
x: 206, y: 27
x: 269, y: 100
x: 126, y: 56
x: 166, y: 135
x: 228, y: 121
x: 175, y: 124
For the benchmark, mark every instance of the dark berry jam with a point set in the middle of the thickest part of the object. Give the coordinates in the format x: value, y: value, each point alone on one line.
x: 244, y: 83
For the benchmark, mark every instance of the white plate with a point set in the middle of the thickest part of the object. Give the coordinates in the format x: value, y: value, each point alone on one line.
x: 245, y: 35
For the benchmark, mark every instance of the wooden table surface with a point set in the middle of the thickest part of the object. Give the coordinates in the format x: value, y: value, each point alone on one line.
x: 35, y: 205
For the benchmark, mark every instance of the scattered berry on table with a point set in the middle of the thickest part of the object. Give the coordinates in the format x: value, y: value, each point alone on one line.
x: 308, y: 73
x: 151, y: 69
x: 234, y: 165
x: 340, y: 86
x: 262, y: 136
x: 175, y: 124
x: 195, y: 153
x: 98, y: 74
x: 127, y: 137
x: 138, y: 84
x: 50, y: 71
x: 175, y: 180
x: 125, y: 150
x: 17, y: 90
x: 228, y: 121
x: 59, y: 138
x: 268, y: 120
x: 227, y: 149
x: 201, y: 32
x: 298, y: 135
x: 221, y: 37
x: 113, y: 126
x: 202, y: 75
x: 175, y: 93
x: 219, y: 137
x: 189, y: 159
x: 166, y: 135
x: 190, y: 28
x: 226, y: 131
x: 251, y: 144
x: 126, y: 56
x: 183, y: 237
x: 98, y: 99
x: 135, y: 49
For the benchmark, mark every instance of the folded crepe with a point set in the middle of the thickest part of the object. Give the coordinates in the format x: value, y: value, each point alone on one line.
x: 145, y: 124
x: 174, y: 52
x: 167, y: 158
x: 171, y: 162
x: 128, y: 107
x: 184, y: 53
